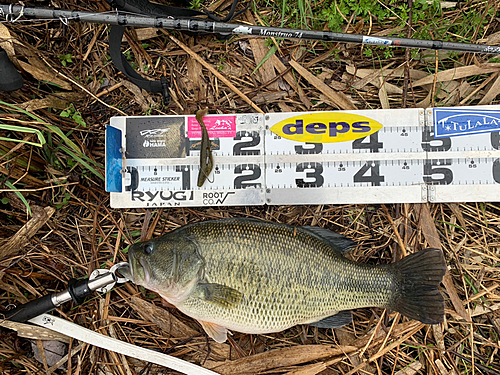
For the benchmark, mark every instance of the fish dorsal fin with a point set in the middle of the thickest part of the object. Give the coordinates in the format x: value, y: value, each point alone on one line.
x: 215, y: 331
x: 337, y: 242
x: 219, y: 295
x: 335, y: 321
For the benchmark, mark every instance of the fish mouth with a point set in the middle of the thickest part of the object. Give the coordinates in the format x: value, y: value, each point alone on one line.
x: 139, y: 271
x: 147, y: 273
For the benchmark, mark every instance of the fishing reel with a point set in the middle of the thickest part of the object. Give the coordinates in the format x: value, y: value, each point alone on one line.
x: 10, y: 78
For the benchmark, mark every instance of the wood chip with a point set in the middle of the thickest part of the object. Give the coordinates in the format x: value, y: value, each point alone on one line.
x: 269, y: 97
x: 492, y: 93
x: 280, y: 67
x: 259, y: 49
x: 428, y: 227
x: 22, y: 237
x: 347, y: 338
x: 442, y: 369
x: 455, y: 299
x: 143, y: 34
x: 481, y: 310
x: 388, y: 75
x: 437, y: 331
x: 194, y: 73
x: 338, y: 98
x: 455, y: 208
x: 137, y: 94
x: 65, y: 358
x: 411, y: 369
x: 491, y: 39
x: 33, y: 332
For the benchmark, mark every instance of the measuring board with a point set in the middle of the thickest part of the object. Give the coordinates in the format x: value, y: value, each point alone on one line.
x: 342, y: 157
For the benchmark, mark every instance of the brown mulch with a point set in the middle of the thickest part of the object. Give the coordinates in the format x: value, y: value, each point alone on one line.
x: 72, y: 230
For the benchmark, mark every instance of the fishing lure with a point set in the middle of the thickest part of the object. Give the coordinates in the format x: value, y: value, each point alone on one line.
x: 206, y: 158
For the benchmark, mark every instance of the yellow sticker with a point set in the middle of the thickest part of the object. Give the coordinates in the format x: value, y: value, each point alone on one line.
x: 326, y: 127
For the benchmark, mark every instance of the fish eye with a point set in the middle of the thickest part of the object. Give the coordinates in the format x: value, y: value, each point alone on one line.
x: 148, y: 249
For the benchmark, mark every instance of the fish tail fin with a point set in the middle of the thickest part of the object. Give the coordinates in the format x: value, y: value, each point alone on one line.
x: 418, y: 296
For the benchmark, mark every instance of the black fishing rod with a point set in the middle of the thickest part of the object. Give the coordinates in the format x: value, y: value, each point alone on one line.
x: 15, y: 13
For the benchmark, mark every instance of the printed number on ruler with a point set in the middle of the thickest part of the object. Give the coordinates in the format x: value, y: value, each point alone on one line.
x: 461, y: 160
x: 374, y: 160
x: 237, y: 174
x: 248, y: 175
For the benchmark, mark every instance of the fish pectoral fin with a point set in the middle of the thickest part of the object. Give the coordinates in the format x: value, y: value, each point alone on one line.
x: 215, y: 331
x: 335, y: 321
x: 219, y: 294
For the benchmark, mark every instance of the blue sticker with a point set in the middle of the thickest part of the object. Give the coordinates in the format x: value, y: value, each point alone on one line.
x: 376, y: 41
x: 114, y: 163
x: 457, y: 122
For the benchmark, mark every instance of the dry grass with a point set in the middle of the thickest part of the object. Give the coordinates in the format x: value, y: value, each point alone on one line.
x: 82, y: 232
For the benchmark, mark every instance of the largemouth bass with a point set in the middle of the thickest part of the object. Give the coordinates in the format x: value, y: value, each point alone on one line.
x: 254, y: 276
x: 206, y: 158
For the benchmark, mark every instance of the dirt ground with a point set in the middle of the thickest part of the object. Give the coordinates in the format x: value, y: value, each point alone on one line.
x: 71, y: 91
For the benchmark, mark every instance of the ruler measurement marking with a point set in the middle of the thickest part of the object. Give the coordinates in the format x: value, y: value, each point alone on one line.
x: 395, y: 156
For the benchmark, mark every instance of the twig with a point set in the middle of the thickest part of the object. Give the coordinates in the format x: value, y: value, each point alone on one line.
x: 214, y: 72
x: 475, y: 364
x: 84, y: 89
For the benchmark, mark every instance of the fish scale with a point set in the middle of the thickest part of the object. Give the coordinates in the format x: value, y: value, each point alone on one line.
x: 259, y: 277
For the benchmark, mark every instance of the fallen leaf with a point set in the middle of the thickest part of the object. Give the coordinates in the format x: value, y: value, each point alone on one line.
x: 338, y: 98
x: 6, y: 42
x: 382, y: 94
x: 431, y: 235
x: 280, y: 358
x: 60, y: 101
x: 313, y: 369
x: 41, y: 72
x: 457, y: 73
x: 492, y: 92
x: 53, y: 350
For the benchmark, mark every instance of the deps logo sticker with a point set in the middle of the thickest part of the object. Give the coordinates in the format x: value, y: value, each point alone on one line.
x: 326, y: 127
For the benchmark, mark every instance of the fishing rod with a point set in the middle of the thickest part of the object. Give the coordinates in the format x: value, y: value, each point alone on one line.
x: 14, y: 13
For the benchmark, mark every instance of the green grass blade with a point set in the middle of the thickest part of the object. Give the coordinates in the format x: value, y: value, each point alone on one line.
x: 269, y: 53
x: 22, y: 129
x: 83, y: 162
x: 21, y: 197
x: 66, y: 140
x: 31, y: 115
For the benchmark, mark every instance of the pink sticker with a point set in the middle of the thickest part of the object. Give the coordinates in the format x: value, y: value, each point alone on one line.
x: 217, y: 126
